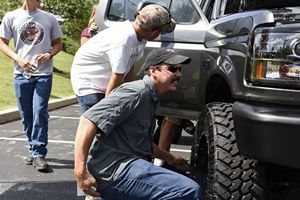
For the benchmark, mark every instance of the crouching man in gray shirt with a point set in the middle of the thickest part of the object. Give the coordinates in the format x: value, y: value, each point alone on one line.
x: 123, y: 124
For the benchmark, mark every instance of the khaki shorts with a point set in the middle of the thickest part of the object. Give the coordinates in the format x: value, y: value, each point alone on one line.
x: 173, y: 120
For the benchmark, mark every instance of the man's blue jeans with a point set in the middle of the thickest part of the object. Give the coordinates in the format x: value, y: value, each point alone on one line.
x: 87, y: 101
x: 142, y: 180
x: 32, y: 98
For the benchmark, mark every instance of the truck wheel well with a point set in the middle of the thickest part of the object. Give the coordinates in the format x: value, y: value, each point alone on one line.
x: 218, y: 90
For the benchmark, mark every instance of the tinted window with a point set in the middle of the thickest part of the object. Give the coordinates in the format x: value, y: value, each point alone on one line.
x: 235, y: 6
x: 209, y: 10
x: 122, y: 10
x: 232, y: 6
x: 183, y: 12
x: 258, y: 4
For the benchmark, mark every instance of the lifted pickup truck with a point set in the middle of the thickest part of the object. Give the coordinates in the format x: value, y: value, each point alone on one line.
x: 242, y: 87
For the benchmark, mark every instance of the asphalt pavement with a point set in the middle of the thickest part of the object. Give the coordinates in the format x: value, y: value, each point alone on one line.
x: 22, y: 182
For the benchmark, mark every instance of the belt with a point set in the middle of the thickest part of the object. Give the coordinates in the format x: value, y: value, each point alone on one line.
x: 148, y: 158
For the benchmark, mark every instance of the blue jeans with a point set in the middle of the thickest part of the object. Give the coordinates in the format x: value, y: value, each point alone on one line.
x: 32, y: 98
x: 142, y: 180
x: 87, y: 101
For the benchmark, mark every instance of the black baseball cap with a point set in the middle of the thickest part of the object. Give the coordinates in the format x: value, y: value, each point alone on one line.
x: 163, y: 55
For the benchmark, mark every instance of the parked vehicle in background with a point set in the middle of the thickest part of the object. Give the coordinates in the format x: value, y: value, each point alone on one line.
x: 242, y: 87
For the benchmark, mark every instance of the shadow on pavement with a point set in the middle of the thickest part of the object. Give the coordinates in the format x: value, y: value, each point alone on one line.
x: 60, y: 163
x: 63, y: 190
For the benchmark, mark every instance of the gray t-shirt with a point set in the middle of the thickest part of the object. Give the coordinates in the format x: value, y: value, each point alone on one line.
x: 33, y: 33
x: 126, y: 119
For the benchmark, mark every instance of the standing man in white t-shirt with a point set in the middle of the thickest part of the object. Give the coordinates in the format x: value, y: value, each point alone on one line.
x: 107, y: 59
x: 37, y: 38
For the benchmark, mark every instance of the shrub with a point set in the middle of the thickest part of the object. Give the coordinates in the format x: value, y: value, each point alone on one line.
x: 70, y: 45
x: 75, y: 15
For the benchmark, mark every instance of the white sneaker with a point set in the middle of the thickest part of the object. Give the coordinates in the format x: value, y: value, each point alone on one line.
x: 88, y: 197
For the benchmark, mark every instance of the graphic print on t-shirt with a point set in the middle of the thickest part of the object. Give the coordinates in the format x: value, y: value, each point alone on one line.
x: 32, y: 33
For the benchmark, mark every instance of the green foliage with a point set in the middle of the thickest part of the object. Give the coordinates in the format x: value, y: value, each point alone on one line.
x: 8, y: 6
x: 75, y: 13
x: 62, y: 86
x: 70, y: 45
x: 7, y: 97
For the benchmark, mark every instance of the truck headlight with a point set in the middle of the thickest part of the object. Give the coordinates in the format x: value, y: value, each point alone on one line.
x: 296, y: 48
x: 276, y: 59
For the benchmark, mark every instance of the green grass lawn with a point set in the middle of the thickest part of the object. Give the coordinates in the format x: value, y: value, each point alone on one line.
x: 61, y: 80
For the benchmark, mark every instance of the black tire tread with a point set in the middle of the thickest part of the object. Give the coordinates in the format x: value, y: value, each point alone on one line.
x: 231, y: 176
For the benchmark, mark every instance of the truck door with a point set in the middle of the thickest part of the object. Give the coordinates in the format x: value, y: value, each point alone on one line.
x: 187, y: 39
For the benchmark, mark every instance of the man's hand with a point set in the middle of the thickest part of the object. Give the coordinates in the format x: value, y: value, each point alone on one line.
x: 26, y: 65
x: 87, y: 184
x: 175, y: 161
x: 86, y: 132
x: 179, y: 163
x: 41, y: 58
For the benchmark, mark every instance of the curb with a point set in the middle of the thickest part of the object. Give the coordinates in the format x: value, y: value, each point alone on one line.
x: 13, y: 114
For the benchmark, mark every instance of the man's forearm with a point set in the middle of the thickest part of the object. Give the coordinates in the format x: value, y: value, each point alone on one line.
x: 175, y: 161
x: 6, y: 50
x: 84, y: 137
x: 130, y: 75
x: 115, y: 81
x: 57, y: 46
x: 162, y: 154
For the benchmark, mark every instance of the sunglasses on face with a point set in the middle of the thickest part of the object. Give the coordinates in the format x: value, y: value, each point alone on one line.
x: 174, y: 68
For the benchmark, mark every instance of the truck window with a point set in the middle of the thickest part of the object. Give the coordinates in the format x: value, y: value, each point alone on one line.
x: 232, y: 6
x: 183, y: 12
x: 259, y: 4
x: 208, y: 7
x: 122, y: 10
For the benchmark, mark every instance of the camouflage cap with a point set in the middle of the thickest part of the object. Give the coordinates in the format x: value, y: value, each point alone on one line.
x: 154, y: 16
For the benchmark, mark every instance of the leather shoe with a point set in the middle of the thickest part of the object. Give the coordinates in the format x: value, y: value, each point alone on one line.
x: 40, y: 164
x: 29, y: 160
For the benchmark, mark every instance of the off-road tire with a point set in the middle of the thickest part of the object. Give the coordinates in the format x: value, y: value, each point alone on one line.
x: 216, y: 163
